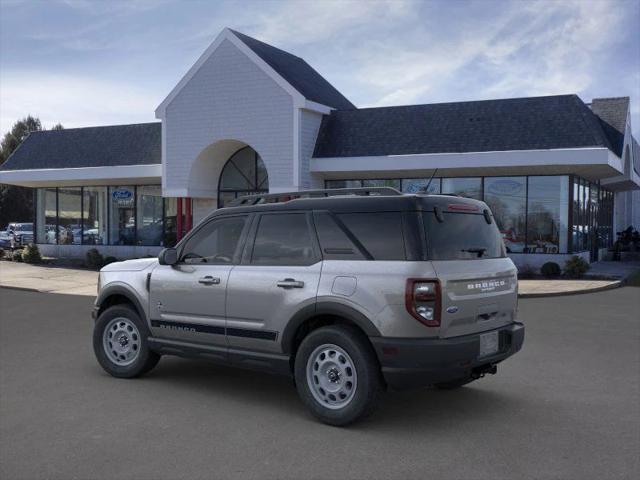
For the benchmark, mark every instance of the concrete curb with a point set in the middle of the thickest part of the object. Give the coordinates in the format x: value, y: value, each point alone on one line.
x: 24, y: 289
x: 616, y: 284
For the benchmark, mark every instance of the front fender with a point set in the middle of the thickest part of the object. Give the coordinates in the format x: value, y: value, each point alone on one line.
x: 122, y: 289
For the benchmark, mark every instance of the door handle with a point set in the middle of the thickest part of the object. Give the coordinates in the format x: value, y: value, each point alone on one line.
x: 290, y: 283
x: 209, y: 280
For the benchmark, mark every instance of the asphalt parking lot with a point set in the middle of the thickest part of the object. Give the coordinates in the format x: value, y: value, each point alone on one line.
x: 566, y: 407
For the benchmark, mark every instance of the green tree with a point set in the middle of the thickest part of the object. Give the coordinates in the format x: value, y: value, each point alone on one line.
x: 16, y: 203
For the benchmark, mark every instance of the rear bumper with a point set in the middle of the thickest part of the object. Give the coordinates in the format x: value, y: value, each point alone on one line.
x: 409, y: 363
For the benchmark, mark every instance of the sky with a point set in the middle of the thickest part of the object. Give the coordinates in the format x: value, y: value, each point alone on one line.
x: 84, y: 63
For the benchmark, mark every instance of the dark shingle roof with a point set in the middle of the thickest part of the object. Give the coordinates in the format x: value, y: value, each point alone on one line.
x: 298, y: 73
x: 137, y: 144
x: 534, y: 123
x: 613, y: 116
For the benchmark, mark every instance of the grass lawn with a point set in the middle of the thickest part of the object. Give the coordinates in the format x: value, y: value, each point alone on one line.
x: 634, y: 279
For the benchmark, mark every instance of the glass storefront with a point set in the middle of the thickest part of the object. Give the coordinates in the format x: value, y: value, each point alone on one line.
x: 46, y: 215
x: 507, y: 199
x: 94, y: 214
x: 548, y: 214
x: 149, y: 215
x: 535, y: 214
x: 465, y: 187
x: 122, y: 217
x: 117, y: 215
x: 69, y: 216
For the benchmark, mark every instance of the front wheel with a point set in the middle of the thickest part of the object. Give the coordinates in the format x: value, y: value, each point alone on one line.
x: 337, y: 375
x: 120, y: 343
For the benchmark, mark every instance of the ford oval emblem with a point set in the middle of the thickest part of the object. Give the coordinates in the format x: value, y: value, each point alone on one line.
x: 452, y: 309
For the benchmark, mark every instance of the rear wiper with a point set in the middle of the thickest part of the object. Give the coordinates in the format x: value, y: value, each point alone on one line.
x: 480, y: 251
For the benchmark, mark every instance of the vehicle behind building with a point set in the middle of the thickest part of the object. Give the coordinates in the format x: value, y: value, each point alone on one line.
x: 350, y: 292
x: 17, y: 235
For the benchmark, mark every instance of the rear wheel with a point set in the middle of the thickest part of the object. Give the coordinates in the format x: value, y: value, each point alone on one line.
x: 120, y: 343
x: 337, y: 375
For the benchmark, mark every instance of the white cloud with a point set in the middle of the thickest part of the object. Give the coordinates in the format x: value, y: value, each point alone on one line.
x: 305, y: 22
x: 72, y: 100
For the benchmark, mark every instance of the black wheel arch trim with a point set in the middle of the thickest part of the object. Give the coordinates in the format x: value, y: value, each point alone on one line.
x: 325, y: 308
x: 121, y: 290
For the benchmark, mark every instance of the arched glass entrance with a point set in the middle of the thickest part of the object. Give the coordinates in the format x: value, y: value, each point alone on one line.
x: 243, y: 174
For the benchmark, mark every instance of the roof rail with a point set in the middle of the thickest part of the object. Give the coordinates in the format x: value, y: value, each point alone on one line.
x: 261, y: 198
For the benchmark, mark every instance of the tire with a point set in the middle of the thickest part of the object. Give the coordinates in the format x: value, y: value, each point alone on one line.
x: 452, y: 385
x: 352, y: 361
x: 128, y: 343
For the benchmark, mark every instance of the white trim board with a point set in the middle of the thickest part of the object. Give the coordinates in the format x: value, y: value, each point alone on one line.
x: 606, y: 163
x: 83, y: 176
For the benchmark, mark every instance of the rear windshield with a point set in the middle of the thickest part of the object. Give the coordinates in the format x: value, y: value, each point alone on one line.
x: 462, y: 236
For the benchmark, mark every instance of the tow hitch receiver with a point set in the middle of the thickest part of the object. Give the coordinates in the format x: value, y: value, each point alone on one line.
x: 483, y: 370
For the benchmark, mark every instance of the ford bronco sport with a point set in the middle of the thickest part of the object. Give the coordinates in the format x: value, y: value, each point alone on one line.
x: 350, y: 292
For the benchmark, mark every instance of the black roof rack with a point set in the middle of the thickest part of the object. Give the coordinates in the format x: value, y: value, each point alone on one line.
x: 262, y: 198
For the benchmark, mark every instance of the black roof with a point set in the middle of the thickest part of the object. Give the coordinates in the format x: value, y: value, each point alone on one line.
x: 534, y: 123
x: 612, y: 113
x: 298, y: 73
x: 137, y: 144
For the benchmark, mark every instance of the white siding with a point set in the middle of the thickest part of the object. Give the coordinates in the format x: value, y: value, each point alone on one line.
x: 309, y: 126
x: 229, y: 97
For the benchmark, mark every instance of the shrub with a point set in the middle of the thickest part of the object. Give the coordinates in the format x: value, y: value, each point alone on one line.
x: 550, y: 269
x: 109, y: 260
x: 94, y: 259
x: 526, y: 271
x: 31, y: 254
x: 575, y: 267
x: 1, y: 252
x: 16, y: 256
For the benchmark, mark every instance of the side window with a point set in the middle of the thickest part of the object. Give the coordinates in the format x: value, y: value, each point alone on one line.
x: 215, y: 243
x: 380, y: 233
x: 283, y: 239
x: 334, y: 241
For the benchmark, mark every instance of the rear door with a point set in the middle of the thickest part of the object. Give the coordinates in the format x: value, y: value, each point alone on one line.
x: 279, y: 275
x: 478, y: 282
x: 187, y: 300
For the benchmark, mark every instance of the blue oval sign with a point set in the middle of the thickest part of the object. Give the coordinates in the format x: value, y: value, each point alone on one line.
x: 505, y: 187
x: 122, y: 194
x: 452, y: 309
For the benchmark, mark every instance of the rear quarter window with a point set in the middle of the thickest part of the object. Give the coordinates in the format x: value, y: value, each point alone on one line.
x: 462, y: 236
x: 361, y: 236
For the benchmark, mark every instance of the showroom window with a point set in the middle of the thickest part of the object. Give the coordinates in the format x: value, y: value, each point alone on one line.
x: 105, y: 216
x: 419, y: 185
x: 94, y: 216
x: 507, y: 199
x: 46, y: 215
x: 70, y: 216
x: 548, y: 214
x: 149, y: 215
x: 122, y: 217
x: 465, y: 187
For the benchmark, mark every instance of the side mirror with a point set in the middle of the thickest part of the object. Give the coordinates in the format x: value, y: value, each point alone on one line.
x: 168, y: 256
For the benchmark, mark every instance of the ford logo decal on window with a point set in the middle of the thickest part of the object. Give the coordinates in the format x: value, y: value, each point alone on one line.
x: 122, y: 194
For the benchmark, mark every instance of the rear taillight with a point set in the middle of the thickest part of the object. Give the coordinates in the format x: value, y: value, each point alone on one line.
x: 422, y: 298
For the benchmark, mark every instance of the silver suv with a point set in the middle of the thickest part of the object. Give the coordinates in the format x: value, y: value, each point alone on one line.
x: 350, y: 294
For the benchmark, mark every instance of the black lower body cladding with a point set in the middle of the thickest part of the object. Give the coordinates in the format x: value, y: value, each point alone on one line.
x: 411, y: 363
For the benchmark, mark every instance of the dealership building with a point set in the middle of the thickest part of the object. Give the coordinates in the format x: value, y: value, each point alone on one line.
x: 560, y: 174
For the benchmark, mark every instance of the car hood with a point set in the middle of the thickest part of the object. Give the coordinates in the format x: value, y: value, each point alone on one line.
x: 130, y: 265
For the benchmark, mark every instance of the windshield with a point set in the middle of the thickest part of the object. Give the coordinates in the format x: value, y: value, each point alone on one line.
x: 22, y: 227
x: 462, y: 236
